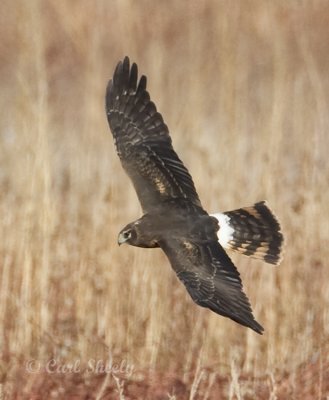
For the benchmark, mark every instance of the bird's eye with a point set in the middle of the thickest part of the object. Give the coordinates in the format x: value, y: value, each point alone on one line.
x: 127, y: 234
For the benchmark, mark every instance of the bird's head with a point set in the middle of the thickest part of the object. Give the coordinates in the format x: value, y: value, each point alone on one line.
x: 139, y: 234
x: 128, y: 235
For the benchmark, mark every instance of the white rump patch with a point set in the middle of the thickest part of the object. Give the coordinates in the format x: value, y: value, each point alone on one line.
x: 225, y: 232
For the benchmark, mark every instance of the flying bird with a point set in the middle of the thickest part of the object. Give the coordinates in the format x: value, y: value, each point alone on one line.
x: 174, y: 219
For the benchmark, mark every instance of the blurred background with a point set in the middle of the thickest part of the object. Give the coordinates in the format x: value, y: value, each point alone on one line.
x: 244, y: 89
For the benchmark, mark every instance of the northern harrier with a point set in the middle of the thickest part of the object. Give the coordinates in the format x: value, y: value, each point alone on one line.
x: 174, y: 218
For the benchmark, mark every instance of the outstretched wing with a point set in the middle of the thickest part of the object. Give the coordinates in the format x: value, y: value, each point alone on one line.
x: 143, y: 142
x: 210, y: 278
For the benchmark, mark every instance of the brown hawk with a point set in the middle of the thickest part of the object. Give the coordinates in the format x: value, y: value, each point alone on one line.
x: 174, y: 218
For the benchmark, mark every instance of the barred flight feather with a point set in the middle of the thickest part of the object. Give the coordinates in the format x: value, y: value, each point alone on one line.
x: 253, y: 231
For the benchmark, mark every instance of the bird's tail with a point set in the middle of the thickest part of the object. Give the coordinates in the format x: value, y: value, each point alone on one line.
x: 253, y: 231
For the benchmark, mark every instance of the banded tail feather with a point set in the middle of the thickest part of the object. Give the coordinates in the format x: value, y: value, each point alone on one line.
x: 253, y: 231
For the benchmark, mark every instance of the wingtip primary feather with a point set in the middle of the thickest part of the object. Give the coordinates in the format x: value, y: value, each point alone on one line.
x: 125, y: 78
x: 257, y: 327
x: 133, y: 77
x: 142, y: 84
x: 126, y: 60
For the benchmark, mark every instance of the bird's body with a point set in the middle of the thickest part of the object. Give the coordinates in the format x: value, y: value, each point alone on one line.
x: 175, y: 221
x: 174, y: 218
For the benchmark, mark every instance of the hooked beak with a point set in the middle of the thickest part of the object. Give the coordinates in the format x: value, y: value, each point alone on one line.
x: 121, y: 239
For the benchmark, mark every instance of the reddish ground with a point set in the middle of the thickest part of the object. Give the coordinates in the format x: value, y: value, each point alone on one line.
x: 310, y: 381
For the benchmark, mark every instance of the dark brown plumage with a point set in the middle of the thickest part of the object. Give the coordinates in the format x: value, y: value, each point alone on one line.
x: 174, y: 218
x: 256, y: 233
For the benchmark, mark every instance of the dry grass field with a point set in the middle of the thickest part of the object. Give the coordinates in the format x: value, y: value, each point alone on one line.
x: 244, y: 88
